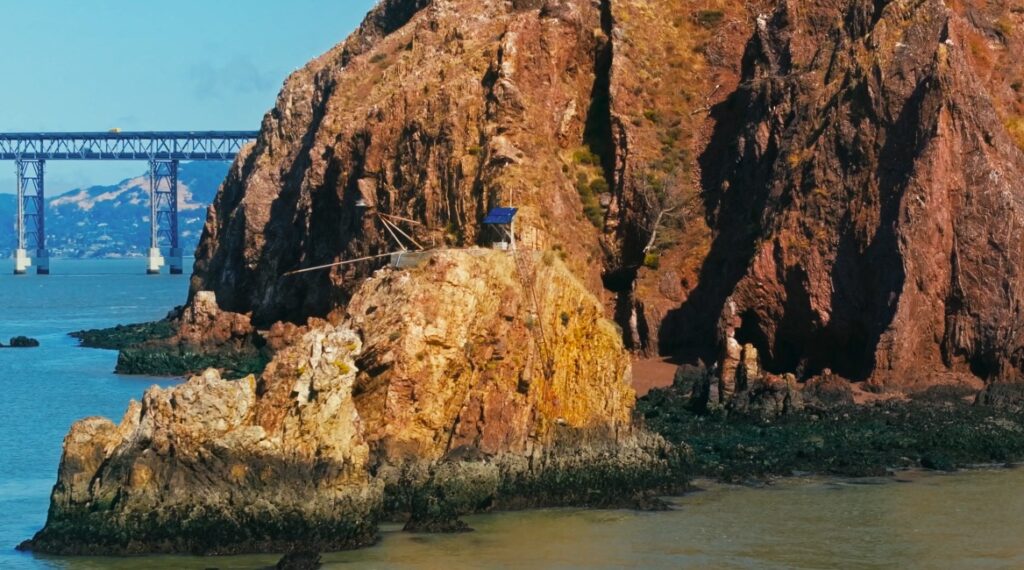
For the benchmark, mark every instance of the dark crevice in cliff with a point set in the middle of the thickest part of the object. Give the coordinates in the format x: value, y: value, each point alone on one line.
x: 735, y: 175
x: 807, y: 155
x: 597, y: 133
x: 283, y: 234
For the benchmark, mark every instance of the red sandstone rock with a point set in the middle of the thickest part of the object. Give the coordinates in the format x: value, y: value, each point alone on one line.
x: 866, y: 198
x: 851, y: 179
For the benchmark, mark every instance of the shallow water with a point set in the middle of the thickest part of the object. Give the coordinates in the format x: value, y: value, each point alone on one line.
x: 965, y: 520
x: 44, y: 390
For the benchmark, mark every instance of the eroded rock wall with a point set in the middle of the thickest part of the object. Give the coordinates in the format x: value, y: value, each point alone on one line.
x: 866, y: 198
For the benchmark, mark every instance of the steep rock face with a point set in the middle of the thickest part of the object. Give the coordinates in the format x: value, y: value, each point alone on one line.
x: 674, y: 168
x: 433, y: 377
x: 433, y: 112
x: 866, y: 199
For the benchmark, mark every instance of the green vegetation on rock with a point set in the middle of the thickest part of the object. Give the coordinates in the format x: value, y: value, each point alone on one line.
x: 867, y: 440
x: 122, y: 336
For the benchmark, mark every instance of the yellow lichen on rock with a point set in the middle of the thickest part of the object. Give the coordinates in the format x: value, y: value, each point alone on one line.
x: 470, y: 351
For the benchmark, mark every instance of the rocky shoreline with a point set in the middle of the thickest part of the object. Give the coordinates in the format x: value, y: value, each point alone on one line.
x: 426, y: 497
x: 429, y: 398
x: 185, y: 342
x: 939, y: 430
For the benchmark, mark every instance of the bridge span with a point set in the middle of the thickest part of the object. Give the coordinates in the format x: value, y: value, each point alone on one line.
x: 163, y: 151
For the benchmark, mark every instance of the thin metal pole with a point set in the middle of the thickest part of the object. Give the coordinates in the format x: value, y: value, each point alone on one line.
x: 18, y: 166
x: 40, y: 207
x: 339, y: 263
x: 153, y: 223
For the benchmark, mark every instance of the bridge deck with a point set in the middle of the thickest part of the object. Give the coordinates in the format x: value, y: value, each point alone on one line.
x: 146, y: 145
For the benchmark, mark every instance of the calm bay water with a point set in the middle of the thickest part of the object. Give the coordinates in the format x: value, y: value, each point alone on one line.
x: 966, y: 520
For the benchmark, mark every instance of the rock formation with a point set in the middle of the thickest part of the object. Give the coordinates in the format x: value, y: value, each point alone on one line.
x: 798, y: 191
x: 865, y: 195
x: 194, y: 338
x: 22, y: 342
x: 449, y: 109
x: 480, y: 380
x: 833, y: 179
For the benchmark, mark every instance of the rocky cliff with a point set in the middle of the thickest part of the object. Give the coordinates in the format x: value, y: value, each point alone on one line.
x: 836, y: 168
x: 432, y: 111
x: 866, y: 195
x: 803, y: 192
x: 480, y: 380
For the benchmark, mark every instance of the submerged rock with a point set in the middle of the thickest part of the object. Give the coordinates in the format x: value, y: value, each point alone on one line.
x: 23, y: 342
x: 403, y: 407
x: 299, y: 560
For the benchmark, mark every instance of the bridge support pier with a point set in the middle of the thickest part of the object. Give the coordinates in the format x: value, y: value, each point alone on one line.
x: 163, y: 204
x: 31, y: 218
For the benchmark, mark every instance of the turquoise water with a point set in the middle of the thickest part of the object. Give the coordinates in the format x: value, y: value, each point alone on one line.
x: 44, y: 390
x: 969, y: 520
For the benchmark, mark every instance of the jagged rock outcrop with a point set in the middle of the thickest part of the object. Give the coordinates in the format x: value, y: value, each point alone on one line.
x: 865, y: 196
x: 481, y: 380
x: 434, y: 112
x: 507, y: 346
x: 198, y: 336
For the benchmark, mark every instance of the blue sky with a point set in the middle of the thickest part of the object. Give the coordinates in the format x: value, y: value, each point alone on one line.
x: 74, y: 65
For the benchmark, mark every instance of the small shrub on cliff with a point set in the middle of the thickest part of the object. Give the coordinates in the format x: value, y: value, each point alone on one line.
x: 652, y: 260
x: 591, y: 206
x: 709, y: 18
x: 1015, y: 125
x: 378, y: 58
x: 586, y: 157
x: 652, y: 116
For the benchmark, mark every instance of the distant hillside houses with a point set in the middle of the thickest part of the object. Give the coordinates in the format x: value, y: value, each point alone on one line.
x: 113, y: 221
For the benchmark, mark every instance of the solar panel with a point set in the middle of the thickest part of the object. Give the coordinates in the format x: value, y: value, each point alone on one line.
x: 500, y: 216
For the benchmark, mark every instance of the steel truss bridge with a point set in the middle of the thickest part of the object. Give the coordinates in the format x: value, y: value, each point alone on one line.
x: 163, y: 151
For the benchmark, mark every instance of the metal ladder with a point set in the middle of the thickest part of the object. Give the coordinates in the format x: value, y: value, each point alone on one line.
x: 526, y: 269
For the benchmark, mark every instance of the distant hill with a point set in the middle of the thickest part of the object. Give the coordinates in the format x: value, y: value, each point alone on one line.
x: 113, y: 221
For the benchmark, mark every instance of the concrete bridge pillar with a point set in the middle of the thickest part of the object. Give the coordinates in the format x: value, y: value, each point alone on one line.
x: 163, y: 218
x: 31, y: 223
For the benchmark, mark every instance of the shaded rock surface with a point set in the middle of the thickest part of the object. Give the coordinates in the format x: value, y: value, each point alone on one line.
x: 865, y: 195
x: 435, y: 392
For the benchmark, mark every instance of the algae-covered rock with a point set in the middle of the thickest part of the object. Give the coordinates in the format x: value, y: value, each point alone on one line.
x: 188, y: 341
